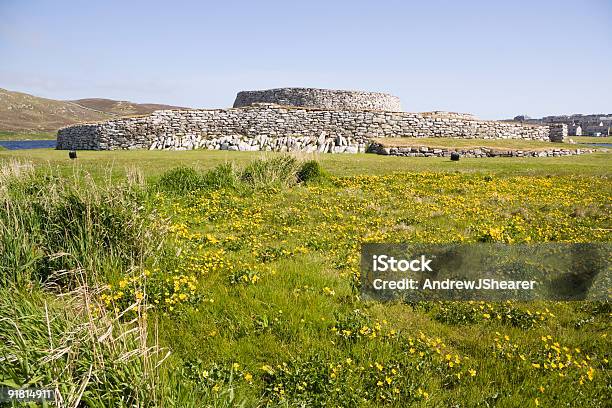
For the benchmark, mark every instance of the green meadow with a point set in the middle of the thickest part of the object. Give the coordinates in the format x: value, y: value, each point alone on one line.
x: 101, y: 164
x: 218, y: 279
x: 592, y: 139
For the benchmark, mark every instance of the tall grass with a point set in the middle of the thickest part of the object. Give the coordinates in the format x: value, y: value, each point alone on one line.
x: 65, y: 234
x: 61, y: 238
x: 51, y: 224
x: 266, y: 173
x: 91, y: 356
x: 275, y: 172
x: 73, y: 345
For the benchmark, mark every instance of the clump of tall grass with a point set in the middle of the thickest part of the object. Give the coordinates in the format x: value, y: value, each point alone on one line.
x: 90, y: 355
x: 277, y: 172
x: 74, y: 346
x: 68, y: 234
x: 50, y: 223
x: 225, y: 175
x: 311, y: 171
x: 181, y: 180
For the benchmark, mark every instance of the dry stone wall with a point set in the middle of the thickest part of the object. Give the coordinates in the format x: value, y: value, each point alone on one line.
x: 279, y: 128
x: 425, y: 151
x: 321, y: 99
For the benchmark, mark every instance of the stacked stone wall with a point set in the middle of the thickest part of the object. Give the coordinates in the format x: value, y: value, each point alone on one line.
x: 278, y: 128
x: 425, y: 151
x: 321, y: 99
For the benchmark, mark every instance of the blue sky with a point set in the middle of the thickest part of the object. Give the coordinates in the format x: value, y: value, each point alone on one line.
x: 495, y: 59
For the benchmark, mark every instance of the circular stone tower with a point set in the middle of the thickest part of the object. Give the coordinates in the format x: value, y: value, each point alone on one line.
x: 327, y: 99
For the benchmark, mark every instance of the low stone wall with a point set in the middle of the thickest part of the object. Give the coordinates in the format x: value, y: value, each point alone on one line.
x: 321, y: 99
x: 272, y: 127
x: 424, y: 151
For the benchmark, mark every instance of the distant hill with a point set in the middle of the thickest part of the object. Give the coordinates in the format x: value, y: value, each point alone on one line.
x: 122, y: 108
x: 21, y: 112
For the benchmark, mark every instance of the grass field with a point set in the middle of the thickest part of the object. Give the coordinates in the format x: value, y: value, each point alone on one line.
x: 441, y: 142
x: 248, y: 274
x: 592, y: 139
x: 102, y: 163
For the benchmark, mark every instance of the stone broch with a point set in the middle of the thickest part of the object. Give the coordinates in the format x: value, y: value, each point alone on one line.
x: 291, y: 119
x: 321, y: 99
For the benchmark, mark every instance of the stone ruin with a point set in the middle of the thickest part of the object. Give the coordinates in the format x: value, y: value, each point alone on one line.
x: 293, y: 119
x: 321, y: 99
